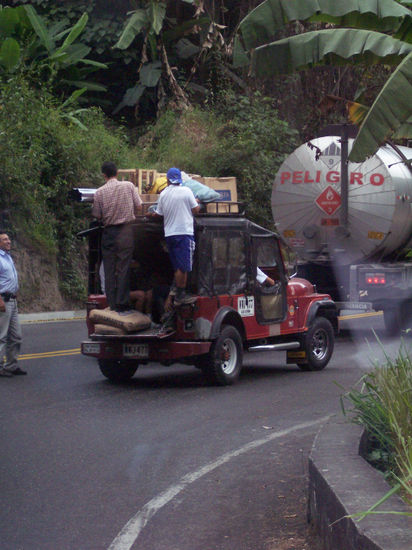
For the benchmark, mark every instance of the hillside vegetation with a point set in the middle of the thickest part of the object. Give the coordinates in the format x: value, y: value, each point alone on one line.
x: 43, y: 154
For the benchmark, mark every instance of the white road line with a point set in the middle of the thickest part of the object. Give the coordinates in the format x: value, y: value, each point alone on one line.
x: 131, y: 531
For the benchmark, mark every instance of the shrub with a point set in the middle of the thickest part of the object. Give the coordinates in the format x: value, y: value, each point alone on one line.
x: 383, y: 405
x: 42, y: 156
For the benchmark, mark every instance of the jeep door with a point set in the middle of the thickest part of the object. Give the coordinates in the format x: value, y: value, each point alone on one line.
x: 270, y: 300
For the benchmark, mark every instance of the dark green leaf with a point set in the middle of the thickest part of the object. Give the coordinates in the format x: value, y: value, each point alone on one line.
x: 76, y: 30
x: 10, y: 54
x: 137, y: 22
x: 386, y: 116
x: 39, y: 28
x: 9, y: 19
x: 331, y: 46
x: 261, y: 24
x: 150, y: 74
x: 131, y: 97
x: 157, y: 13
x: 186, y: 49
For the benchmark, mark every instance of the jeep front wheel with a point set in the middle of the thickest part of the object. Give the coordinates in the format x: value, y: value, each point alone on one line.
x: 318, y: 345
x: 117, y: 371
x: 223, y: 364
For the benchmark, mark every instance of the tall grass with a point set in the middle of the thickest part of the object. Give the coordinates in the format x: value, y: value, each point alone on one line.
x: 383, y: 405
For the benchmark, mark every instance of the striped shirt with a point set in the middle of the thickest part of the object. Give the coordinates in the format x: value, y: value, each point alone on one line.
x: 116, y: 202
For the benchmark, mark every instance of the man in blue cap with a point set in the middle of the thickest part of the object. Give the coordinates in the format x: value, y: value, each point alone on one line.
x: 176, y: 205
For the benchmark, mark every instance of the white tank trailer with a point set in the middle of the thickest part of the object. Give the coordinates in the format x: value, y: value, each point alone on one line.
x: 351, y: 228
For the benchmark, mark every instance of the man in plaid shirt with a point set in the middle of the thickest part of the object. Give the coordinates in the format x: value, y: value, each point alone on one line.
x: 116, y: 205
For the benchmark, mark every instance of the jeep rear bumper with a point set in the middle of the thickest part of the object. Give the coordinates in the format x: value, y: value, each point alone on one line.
x: 153, y: 350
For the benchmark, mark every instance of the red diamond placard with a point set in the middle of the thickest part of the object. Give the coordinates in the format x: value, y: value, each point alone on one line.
x: 329, y: 200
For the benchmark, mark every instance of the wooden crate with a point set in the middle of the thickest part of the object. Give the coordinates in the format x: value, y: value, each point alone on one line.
x: 145, y: 179
x: 128, y: 175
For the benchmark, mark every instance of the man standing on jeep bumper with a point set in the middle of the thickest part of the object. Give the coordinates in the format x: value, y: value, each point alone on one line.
x: 10, y: 331
x: 177, y: 204
x: 116, y: 205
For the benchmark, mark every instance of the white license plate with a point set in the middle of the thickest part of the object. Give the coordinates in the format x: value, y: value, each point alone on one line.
x: 356, y: 305
x: 90, y: 348
x: 136, y: 350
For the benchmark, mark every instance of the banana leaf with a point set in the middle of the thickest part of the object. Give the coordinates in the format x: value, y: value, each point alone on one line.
x: 157, y: 13
x: 10, y: 54
x: 137, y: 22
x: 331, y: 46
x: 40, y: 28
x: 389, y: 114
x: 261, y: 24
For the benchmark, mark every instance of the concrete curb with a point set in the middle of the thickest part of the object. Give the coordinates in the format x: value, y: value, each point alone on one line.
x: 52, y: 316
x: 341, y: 482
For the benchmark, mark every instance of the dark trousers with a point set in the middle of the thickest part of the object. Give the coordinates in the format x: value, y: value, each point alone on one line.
x: 117, y: 252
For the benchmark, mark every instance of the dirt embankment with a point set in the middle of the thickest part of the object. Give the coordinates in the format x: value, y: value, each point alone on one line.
x: 38, y: 282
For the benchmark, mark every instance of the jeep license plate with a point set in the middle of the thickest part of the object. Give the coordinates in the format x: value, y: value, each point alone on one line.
x: 136, y: 350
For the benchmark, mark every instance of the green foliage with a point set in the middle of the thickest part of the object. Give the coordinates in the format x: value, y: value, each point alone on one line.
x: 240, y: 136
x: 46, y: 53
x: 383, y: 405
x: 42, y: 156
x: 370, y: 33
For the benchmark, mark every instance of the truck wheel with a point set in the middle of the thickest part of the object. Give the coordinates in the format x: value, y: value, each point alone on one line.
x: 117, y: 371
x: 392, y: 319
x: 318, y: 344
x: 223, y: 363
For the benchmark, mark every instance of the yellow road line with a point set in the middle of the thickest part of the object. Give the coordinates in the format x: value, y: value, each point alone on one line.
x: 46, y: 354
x: 360, y: 315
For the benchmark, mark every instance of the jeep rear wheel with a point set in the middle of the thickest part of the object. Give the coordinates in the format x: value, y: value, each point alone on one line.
x: 318, y: 345
x: 223, y: 364
x: 117, y: 371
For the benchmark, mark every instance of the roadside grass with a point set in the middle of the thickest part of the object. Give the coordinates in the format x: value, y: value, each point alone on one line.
x: 382, y: 403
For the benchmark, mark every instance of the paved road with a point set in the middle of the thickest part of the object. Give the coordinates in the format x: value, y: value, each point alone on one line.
x: 164, y: 462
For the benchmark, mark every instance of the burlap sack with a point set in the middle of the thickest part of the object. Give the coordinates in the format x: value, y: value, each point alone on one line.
x: 130, y: 323
x: 106, y: 329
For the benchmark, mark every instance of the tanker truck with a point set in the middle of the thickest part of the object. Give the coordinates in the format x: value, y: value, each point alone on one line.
x: 350, y: 224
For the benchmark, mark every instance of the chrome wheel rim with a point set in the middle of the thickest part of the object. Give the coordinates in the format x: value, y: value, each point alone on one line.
x: 320, y: 344
x: 228, y: 356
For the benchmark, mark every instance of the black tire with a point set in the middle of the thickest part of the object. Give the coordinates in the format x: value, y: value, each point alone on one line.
x: 392, y: 319
x: 398, y: 318
x: 318, y: 345
x: 223, y: 363
x: 117, y: 371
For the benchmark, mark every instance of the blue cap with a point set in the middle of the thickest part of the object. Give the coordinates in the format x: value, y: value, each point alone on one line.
x: 174, y: 176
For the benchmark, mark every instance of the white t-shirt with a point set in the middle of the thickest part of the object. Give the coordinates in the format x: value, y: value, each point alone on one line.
x: 175, y: 205
x: 260, y: 276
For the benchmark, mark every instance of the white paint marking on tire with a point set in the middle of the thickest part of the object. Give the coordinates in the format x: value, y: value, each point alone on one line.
x: 130, y: 532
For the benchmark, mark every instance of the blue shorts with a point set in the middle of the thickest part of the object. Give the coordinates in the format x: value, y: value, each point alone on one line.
x: 181, y: 249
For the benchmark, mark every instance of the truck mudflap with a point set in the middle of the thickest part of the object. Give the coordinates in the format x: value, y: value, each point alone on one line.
x: 143, y: 350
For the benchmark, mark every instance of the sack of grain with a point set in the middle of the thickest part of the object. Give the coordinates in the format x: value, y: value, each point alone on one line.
x: 107, y: 329
x: 132, y: 322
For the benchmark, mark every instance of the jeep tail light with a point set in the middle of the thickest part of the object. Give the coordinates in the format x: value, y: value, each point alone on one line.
x: 375, y: 279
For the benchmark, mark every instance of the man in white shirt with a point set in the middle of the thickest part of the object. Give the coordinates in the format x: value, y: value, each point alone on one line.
x: 177, y: 205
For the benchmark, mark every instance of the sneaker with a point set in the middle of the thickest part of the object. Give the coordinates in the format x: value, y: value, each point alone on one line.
x: 184, y: 298
x: 5, y: 373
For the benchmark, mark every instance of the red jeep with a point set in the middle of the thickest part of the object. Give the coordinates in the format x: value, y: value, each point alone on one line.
x: 232, y: 313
